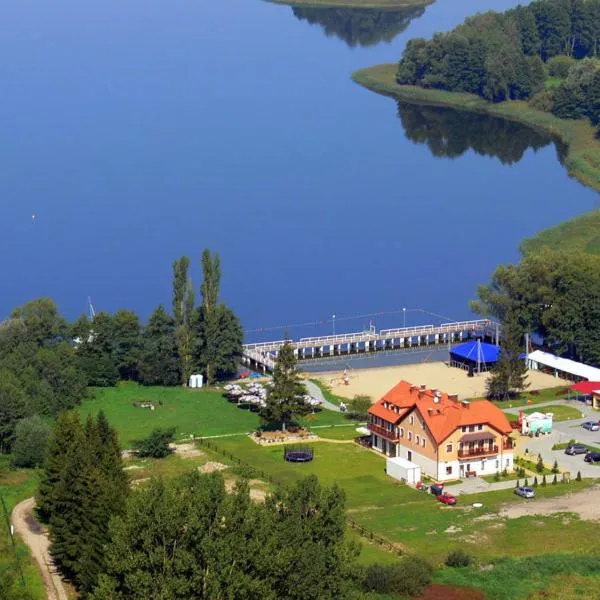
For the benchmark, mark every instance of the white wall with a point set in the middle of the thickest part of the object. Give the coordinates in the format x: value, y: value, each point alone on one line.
x: 428, y: 465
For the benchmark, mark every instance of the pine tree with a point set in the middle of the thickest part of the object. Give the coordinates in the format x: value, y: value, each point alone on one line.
x: 544, y: 481
x: 554, y: 480
x: 66, y: 433
x: 555, y: 468
x: 539, y: 467
x: 285, y: 396
x: 535, y: 481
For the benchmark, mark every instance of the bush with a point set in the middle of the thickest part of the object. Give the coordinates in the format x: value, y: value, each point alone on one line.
x: 458, y: 558
x: 555, y: 468
x: 535, y: 481
x: 31, y: 438
x: 408, y: 577
x: 558, y: 66
x: 539, y: 467
x: 358, y: 407
x: 156, y: 445
x: 542, y: 101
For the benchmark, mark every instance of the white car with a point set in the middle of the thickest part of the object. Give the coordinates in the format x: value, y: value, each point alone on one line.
x: 525, y: 492
x: 591, y: 426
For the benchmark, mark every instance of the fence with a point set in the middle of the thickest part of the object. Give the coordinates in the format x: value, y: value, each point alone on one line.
x: 367, y: 534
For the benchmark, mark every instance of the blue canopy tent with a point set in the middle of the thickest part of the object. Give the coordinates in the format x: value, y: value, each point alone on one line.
x: 475, y: 354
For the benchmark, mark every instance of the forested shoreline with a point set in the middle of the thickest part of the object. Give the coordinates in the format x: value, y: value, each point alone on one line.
x: 545, y: 53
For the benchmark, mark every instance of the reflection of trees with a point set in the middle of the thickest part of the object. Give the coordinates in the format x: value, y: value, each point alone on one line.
x: 450, y: 133
x: 360, y: 26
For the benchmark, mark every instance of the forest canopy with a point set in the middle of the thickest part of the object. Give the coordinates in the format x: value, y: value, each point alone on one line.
x: 546, y: 52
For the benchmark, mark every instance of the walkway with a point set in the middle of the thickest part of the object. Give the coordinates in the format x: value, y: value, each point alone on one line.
x: 315, y: 391
x: 37, y: 539
x: 477, y: 485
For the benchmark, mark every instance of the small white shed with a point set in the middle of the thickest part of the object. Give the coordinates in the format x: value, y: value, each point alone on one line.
x: 403, y: 470
x: 196, y: 381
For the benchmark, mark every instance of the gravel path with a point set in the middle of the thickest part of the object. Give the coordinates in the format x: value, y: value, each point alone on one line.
x: 36, y: 538
x: 315, y: 391
x: 585, y: 504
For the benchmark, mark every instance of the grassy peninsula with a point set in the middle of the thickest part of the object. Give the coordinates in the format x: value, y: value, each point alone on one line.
x: 380, y: 4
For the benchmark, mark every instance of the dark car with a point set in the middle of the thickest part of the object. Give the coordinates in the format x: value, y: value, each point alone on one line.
x: 592, y: 457
x: 447, y: 499
x: 576, y: 449
x: 436, y: 490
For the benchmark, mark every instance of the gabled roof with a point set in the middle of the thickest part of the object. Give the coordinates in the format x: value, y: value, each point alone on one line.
x: 442, y: 414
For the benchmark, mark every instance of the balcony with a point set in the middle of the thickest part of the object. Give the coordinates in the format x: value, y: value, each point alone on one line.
x: 392, y: 436
x: 508, y: 445
x: 479, y: 451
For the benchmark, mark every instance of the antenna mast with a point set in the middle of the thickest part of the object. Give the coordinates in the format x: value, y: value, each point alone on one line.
x: 91, y: 309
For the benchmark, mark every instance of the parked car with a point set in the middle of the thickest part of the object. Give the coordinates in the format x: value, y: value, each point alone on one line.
x: 447, y: 499
x: 525, y: 492
x: 592, y: 457
x: 437, y: 489
x: 576, y: 449
x: 591, y: 426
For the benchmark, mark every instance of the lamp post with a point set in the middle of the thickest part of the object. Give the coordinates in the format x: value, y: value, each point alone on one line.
x: 333, y: 317
x: 404, y: 315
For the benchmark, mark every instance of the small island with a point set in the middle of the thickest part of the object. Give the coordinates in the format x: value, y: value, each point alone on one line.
x: 536, y: 65
x: 380, y: 4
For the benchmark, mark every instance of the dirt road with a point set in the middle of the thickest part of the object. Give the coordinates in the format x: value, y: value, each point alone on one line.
x: 36, y: 538
x: 585, y: 504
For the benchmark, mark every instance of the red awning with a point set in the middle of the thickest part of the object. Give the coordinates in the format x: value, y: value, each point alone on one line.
x: 586, y: 387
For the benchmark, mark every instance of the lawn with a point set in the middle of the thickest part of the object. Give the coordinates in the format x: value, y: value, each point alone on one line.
x: 534, y: 397
x: 416, y: 520
x: 16, y: 485
x: 561, y: 413
x: 197, y: 412
x: 338, y: 432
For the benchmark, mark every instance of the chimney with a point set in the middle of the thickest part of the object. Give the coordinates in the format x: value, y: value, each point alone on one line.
x: 423, y: 387
x: 453, y: 397
x: 435, y: 392
x: 465, y: 403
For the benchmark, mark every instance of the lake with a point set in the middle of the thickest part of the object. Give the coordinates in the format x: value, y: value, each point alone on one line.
x: 136, y: 132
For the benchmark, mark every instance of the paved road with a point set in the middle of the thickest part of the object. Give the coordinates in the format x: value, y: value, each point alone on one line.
x: 315, y: 391
x: 476, y: 485
x: 37, y: 540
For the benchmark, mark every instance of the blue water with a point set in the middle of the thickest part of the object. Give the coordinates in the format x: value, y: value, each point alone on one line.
x: 139, y: 131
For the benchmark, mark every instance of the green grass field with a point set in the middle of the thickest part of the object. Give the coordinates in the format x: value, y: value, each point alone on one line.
x: 17, y: 485
x: 413, y: 519
x: 197, y: 412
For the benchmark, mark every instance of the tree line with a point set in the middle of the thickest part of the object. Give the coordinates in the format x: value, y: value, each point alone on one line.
x: 47, y: 363
x: 190, y: 538
x: 510, y: 55
x: 552, y: 293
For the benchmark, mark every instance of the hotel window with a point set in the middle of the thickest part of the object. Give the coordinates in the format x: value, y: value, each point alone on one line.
x: 448, y: 447
x: 417, y: 439
x: 508, y: 462
x: 409, y: 435
x: 471, y: 428
x: 423, y: 442
x: 448, y: 470
x: 412, y: 419
x: 401, y: 431
x: 479, y: 427
x: 497, y: 464
x: 464, y: 429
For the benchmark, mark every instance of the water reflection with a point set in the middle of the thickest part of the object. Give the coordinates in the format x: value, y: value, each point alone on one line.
x: 450, y: 133
x: 360, y: 26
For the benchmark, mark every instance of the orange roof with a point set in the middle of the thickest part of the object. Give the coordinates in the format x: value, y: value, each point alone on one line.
x: 442, y: 414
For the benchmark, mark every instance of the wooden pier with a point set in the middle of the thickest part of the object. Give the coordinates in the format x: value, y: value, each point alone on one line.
x: 262, y: 355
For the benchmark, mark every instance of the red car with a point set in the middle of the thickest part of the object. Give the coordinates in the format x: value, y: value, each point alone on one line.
x: 447, y: 499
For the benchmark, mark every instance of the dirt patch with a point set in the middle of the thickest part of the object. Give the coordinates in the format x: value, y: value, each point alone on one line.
x: 487, y: 517
x: 137, y: 482
x: 257, y: 494
x: 453, y: 529
x: 479, y: 538
x: 585, y: 504
x: 186, y: 450
x: 211, y: 467
x: 364, y: 509
x: 132, y: 467
x: 496, y: 526
x: 448, y: 592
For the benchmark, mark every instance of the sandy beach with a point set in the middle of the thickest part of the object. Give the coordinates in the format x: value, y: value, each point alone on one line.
x: 435, y: 375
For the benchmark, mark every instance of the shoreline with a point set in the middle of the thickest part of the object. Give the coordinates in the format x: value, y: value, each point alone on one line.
x: 390, y: 5
x: 582, y: 160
